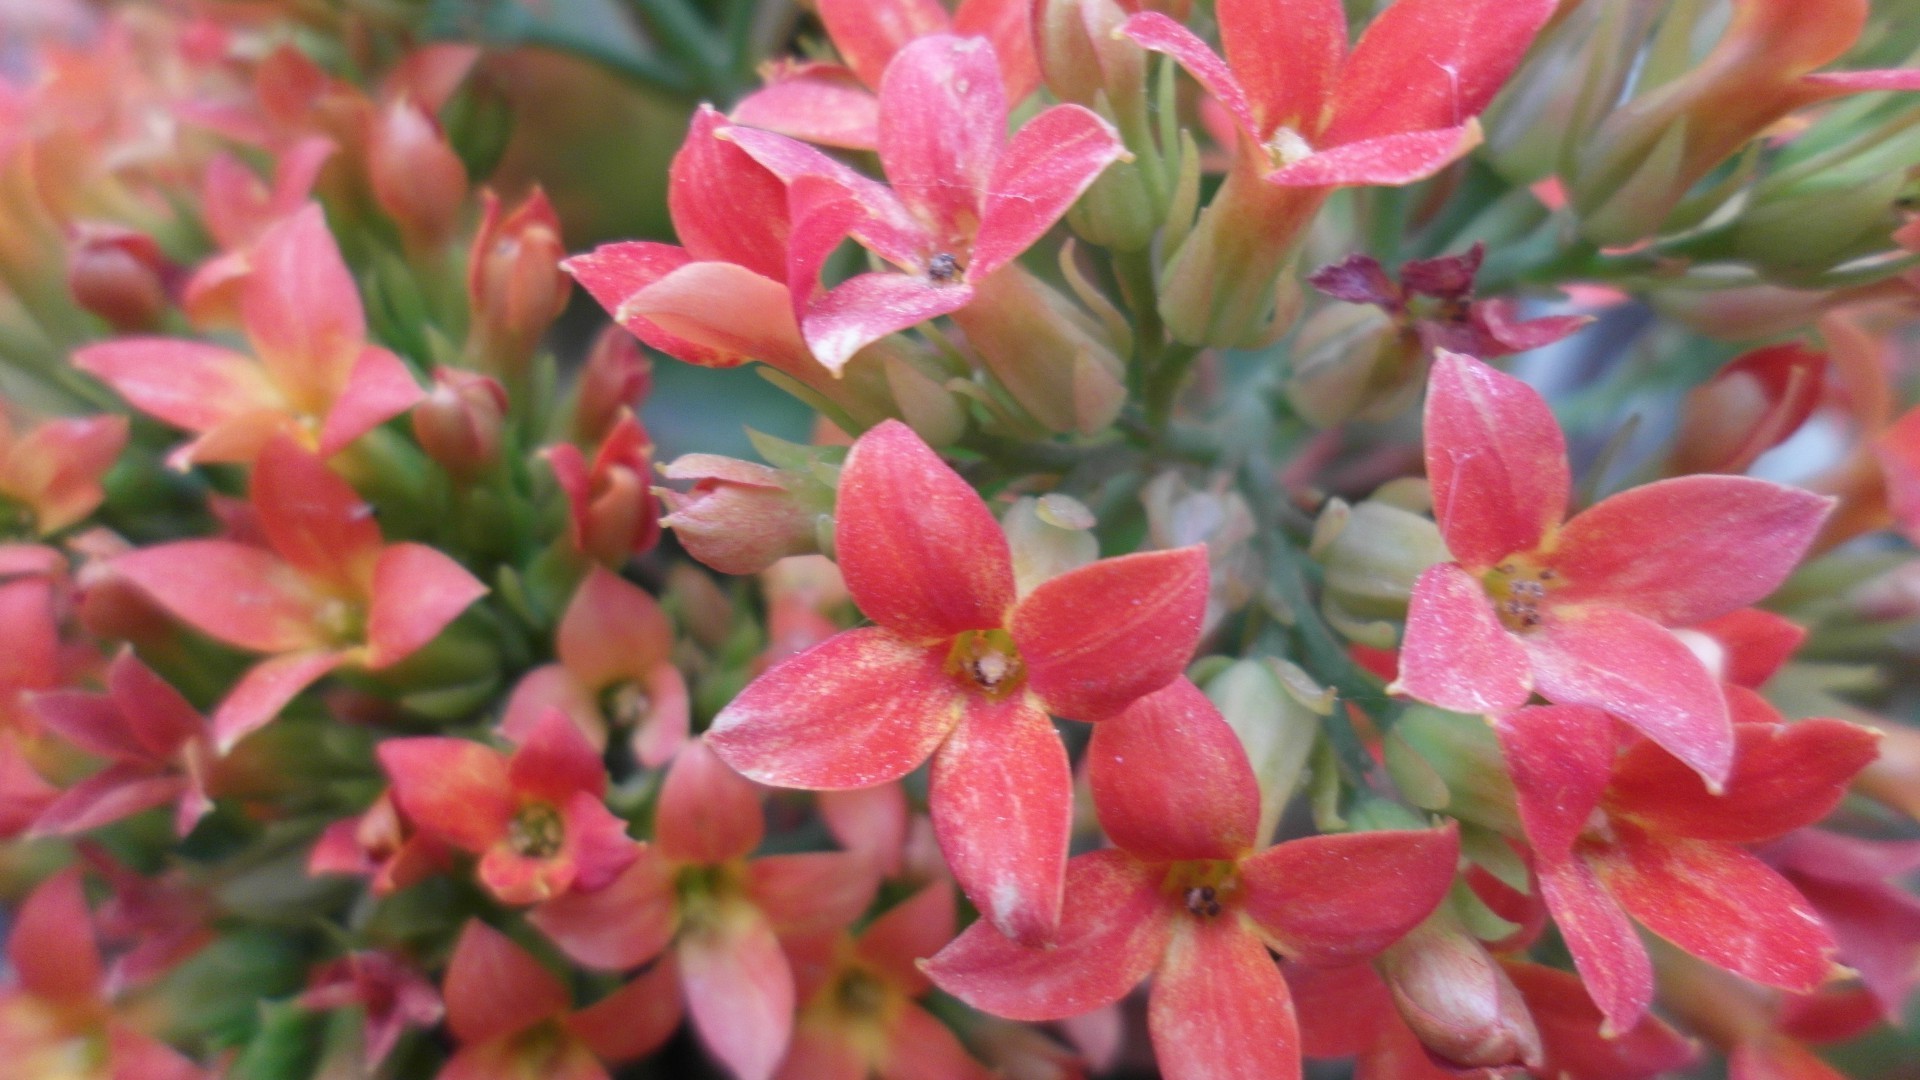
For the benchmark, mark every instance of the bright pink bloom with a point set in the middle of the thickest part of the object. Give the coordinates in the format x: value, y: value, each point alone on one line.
x: 535, y: 817
x: 158, y: 747
x: 1640, y: 834
x: 238, y: 209
x: 313, y: 376
x: 30, y: 648
x: 611, y: 512
x: 391, y: 994
x: 966, y: 199
x: 325, y: 591
x: 1582, y: 610
x: 693, y: 891
x: 51, y: 472
x: 961, y: 669
x: 513, y: 1018
x: 1185, y: 896
x: 616, y: 673
x: 1853, y: 884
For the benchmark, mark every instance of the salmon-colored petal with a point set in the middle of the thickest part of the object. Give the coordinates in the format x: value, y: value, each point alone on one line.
x: 1686, y: 550
x: 1286, y: 56
x: 1612, y: 962
x: 189, y: 384
x: 821, y: 1051
x: 1096, y: 639
x: 1496, y: 460
x: 1721, y: 904
x: 51, y: 945
x: 813, y: 892
x: 717, y: 314
x: 1171, y: 781
x: 1389, y: 160
x: 1009, y: 25
x: 1001, y: 794
x: 1755, y: 644
x: 266, y: 689
x: 871, y: 822
x: 1219, y: 1009
x: 313, y: 519
x: 115, y: 792
x: 621, y: 926
x: 1784, y: 777
x: 235, y: 593
x: 708, y: 813
x: 65, y: 459
x: 633, y: 1021
x: 92, y: 722
x: 546, y: 687
x: 860, y: 708
x: 379, y: 387
x: 1455, y: 653
x: 1569, y: 1026
x: 1431, y: 63
x: 909, y: 932
x: 1337, y: 899
x: 868, y: 34
x: 417, y: 591
x: 739, y: 991
x: 139, y: 1056
x: 555, y: 761
x: 455, y: 789
x: 1113, y: 929
x: 663, y: 728
x: 861, y: 310
x: 597, y: 843
x: 612, y: 630
x: 817, y: 102
x: 1560, y: 758
x: 494, y: 988
x: 237, y: 440
x: 1050, y: 161
x: 726, y: 207
x: 1771, y: 1056
x: 1158, y: 33
x: 156, y: 714
x: 920, y: 1047
x: 302, y: 311
x: 1640, y: 672
x: 943, y: 123
x: 615, y: 273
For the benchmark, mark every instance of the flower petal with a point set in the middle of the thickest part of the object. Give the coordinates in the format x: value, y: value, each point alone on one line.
x: 726, y: 207
x: 156, y: 714
x: 1570, y: 1031
x: 456, y: 789
x: 1337, y: 899
x: 51, y: 946
x: 1721, y: 904
x: 1390, y: 160
x: 1560, y: 758
x: 1496, y: 460
x: 708, y: 813
x: 870, y: 822
x: 612, y: 630
x: 868, y: 34
x: 494, y: 988
x: 417, y: 591
x: 614, y: 273
x: 820, y: 103
x: 1686, y: 550
x: 313, y: 519
x: 922, y: 554
x: 1608, y: 954
x: 1431, y: 63
x: 812, y: 892
x: 186, y: 383
x: 1050, y: 161
x: 621, y: 926
x: 909, y: 932
x: 1156, y: 32
x: 1286, y: 55
x: 1455, y: 653
x: 1640, y: 672
x: 1001, y: 796
x: 1113, y: 930
x: 302, y: 311
x: 266, y: 689
x: 235, y: 593
x: 115, y: 792
x: 1171, y: 781
x: 739, y: 991
x: 1784, y: 777
x: 725, y: 313
x: 633, y: 1021
x: 555, y: 760
x: 860, y: 708
x: 379, y: 387
x: 861, y: 310
x: 943, y: 122
x: 1098, y: 638
x: 1219, y: 1009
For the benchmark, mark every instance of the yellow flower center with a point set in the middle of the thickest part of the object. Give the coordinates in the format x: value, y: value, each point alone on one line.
x: 537, y: 831
x: 1519, y: 590
x: 988, y: 661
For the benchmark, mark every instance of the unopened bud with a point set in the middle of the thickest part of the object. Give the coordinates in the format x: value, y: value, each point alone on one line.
x: 118, y: 274
x: 1350, y: 360
x: 739, y: 517
x: 1049, y: 536
x: 459, y: 422
x: 417, y: 178
x: 1275, y: 726
x: 514, y: 283
x: 1749, y: 407
x: 616, y: 376
x: 1053, y: 359
x: 1457, y: 998
x: 1373, y: 553
x: 1179, y: 515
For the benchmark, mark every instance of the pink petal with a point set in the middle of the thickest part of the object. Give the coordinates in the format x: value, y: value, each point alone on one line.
x: 1340, y: 898
x: 1496, y: 460
x: 870, y: 822
x: 51, y: 945
x: 1757, y: 644
x: 597, y: 843
x: 1570, y: 1031
x: 1560, y: 758
x: 313, y: 519
x: 1009, y: 25
x: 1455, y: 654
x: 943, y: 122
x: 910, y: 931
x: 1784, y: 777
x: 116, y: 792
x: 1686, y: 550
x: 1855, y: 82
x: 621, y: 926
x: 726, y: 207
x: 739, y: 991
x: 1096, y: 639
x: 186, y: 383
x: 1001, y: 795
x: 379, y: 388
x: 302, y: 311
x: 1219, y: 1009
x: 551, y: 686
x: 921, y: 552
x: 613, y: 273
x: 417, y: 591
x: 886, y: 226
x: 708, y: 813
x: 1049, y: 163
x: 1606, y: 951
x: 155, y: 712
x: 455, y: 789
x: 820, y: 103
x: 1171, y: 781
x: 1113, y: 929
x: 1640, y: 672
x: 139, y: 1056
x: 861, y: 708
x: 1721, y: 904
x: 868, y: 33
x: 266, y: 689
x: 633, y: 1021
x: 1431, y: 63
x: 555, y: 761
x: 664, y: 729
x: 1286, y: 55
x: 1389, y: 160
x: 612, y: 630
x: 1156, y: 32
x: 862, y: 310
x: 812, y: 892
x: 494, y: 988
x: 822, y: 1052
x: 920, y: 1047
x: 726, y: 314
x: 92, y: 722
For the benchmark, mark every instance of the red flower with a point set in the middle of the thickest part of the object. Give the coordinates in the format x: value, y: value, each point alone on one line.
x: 312, y: 376
x: 694, y: 891
x: 1581, y: 611
x: 535, y: 817
x: 1185, y: 897
x: 961, y: 669
x: 1640, y: 834
x: 326, y: 591
x: 379, y: 844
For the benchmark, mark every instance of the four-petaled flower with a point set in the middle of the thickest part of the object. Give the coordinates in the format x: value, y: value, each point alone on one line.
x: 961, y: 668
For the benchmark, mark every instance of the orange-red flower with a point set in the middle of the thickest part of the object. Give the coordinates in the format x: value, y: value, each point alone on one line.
x: 51, y: 472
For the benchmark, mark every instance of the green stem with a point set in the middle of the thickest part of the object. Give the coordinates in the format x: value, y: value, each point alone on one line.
x: 1134, y: 269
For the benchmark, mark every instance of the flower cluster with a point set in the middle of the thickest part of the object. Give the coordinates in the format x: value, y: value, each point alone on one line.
x: 1158, y: 640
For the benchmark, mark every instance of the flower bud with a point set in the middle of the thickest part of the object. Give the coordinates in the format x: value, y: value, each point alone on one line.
x: 616, y: 376
x: 1457, y: 998
x: 1749, y: 407
x: 1460, y: 752
x: 417, y: 179
x: 514, y: 283
x: 1351, y: 360
x: 1049, y: 536
x: 1373, y: 553
x: 739, y: 517
x: 1223, y: 285
x: 1053, y: 359
x: 459, y: 422
x: 118, y: 274
x: 1274, y: 724
x: 611, y: 510
x: 1179, y: 516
